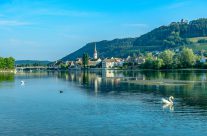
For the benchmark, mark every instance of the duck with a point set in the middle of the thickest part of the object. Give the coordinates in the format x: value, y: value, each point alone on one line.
x: 168, y: 102
x: 61, y: 91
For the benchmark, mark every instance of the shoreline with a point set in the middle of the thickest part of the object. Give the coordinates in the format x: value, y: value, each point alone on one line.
x: 101, y: 69
x: 7, y: 71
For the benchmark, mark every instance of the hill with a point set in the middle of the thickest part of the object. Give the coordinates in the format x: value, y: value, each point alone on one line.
x: 171, y: 36
x: 105, y: 48
x: 31, y: 62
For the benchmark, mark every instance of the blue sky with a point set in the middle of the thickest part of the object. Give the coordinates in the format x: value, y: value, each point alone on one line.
x: 51, y: 29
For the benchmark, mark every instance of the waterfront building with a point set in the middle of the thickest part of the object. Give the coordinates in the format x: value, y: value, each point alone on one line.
x: 203, y: 58
x: 94, y: 62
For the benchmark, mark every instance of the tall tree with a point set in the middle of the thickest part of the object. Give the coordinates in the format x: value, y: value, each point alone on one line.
x: 85, y: 60
x: 167, y: 57
x: 187, y: 58
x: 149, y: 63
x: 158, y: 64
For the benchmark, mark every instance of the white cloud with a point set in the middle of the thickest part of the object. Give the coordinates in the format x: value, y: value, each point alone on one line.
x: 13, y: 23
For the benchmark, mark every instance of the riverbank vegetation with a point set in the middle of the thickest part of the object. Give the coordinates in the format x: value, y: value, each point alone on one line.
x: 169, y: 59
x: 7, y: 63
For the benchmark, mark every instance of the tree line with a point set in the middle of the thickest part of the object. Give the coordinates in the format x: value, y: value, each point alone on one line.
x: 7, y: 63
x: 169, y: 59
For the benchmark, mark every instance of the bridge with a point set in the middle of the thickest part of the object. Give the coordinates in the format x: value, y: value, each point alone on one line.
x: 29, y: 68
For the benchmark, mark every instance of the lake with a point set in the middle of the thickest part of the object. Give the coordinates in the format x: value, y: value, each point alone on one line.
x: 103, y: 103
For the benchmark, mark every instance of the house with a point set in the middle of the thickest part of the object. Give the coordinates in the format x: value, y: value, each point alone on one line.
x: 70, y: 64
x: 112, y: 62
x: 118, y: 62
x: 140, y: 60
x: 78, y: 61
x: 137, y: 60
x: 203, y: 59
x: 56, y: 64
x: 94, y: 62
x: 108, y: 63
x: 177, y: 50
x: 129, y: 59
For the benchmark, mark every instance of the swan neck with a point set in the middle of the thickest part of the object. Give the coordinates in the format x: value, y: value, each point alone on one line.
x: 170, y: 99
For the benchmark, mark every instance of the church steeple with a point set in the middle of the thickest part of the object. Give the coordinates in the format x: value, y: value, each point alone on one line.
x: 95, y: 56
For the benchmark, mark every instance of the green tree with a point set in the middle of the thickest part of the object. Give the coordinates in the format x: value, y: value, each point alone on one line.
x: 158, y: 64
x: 63, y: 66
x: 7, y: 63
x: 85, y: 60
x: 187, y: 58
x: 176, y: 61
x: 167, y: 57
x: 2, y: 63
x: 10, y: 63
x: 149, y: 62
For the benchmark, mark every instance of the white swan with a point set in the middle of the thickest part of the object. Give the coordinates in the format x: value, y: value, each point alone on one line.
x: 168, y: 102
x: 22, y: 82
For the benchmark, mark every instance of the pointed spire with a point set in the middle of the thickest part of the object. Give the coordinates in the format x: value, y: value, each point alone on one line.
x: 95, y: 48
x: 95, y: 55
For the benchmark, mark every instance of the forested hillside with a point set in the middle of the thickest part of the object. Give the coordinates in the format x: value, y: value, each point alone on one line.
x: 171, y: 36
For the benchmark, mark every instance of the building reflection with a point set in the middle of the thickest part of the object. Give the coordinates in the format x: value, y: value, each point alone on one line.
x: 183, y: 84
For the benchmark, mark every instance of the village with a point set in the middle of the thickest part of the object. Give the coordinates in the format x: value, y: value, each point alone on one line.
x: 130, y: 62
x: 98, y: 63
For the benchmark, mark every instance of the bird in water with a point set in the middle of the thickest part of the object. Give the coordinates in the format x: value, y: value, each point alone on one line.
x: 169, y: 101
x: 22, y: 83
x: 61, y: 91
x: 168, y: 104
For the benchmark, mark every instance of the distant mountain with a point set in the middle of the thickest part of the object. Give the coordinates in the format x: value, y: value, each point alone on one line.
x: 171, y: 36
x: 31, y: 62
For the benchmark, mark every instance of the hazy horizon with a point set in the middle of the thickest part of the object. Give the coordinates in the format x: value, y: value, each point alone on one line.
x: 51, y: 29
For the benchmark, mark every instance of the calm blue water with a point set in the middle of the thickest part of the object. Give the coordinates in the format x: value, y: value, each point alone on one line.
x: 103, y: 103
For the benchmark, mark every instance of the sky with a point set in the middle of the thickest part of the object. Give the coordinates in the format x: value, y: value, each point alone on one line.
x: 52, y: 29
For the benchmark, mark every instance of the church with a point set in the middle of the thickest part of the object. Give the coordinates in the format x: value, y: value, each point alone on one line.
x: 95, y: 60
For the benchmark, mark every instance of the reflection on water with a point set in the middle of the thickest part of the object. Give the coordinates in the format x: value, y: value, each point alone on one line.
x: 168, y: 106
x: 104, y: 103
x: 188, y: 85
x: 6, y: 77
